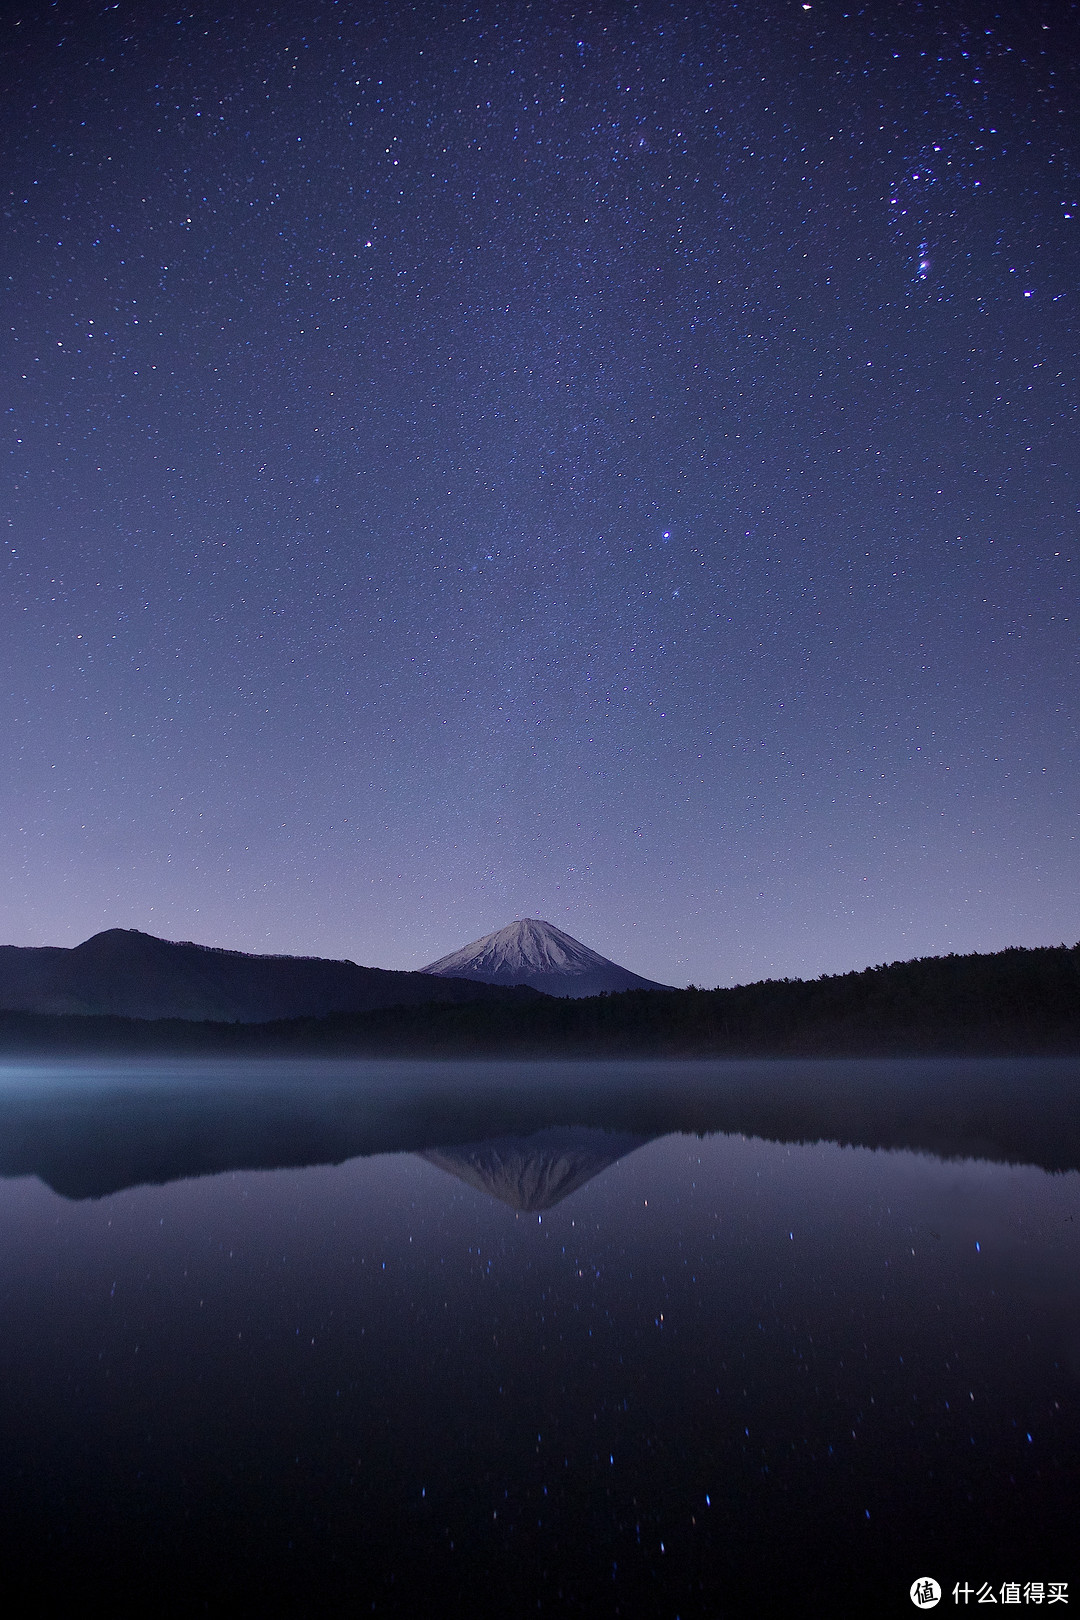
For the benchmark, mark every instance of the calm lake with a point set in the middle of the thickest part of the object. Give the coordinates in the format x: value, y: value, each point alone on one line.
x: 655, y: 1339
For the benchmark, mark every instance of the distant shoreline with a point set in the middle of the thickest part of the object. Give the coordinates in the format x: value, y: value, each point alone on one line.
x: 1016, y: 1002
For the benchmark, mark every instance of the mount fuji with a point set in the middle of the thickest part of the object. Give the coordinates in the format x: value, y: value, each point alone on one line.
x: 538, y: 954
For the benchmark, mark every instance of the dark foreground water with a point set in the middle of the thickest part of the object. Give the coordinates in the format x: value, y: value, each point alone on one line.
x: 569, y: 1357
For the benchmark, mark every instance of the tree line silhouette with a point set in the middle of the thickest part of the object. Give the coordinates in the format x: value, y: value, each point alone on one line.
x: 1017, y: 1001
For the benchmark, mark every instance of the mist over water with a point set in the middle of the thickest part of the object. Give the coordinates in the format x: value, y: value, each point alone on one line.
x: 582, y: 1365
x: 95, y: 1126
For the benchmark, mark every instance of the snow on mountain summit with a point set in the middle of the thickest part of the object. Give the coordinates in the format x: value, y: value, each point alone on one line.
x: 531, y: 951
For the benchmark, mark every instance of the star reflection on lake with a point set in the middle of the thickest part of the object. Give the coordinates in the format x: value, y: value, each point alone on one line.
x: 644, y: 1340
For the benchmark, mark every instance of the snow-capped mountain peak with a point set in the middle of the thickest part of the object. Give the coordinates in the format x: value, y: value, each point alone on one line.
x: 531, y: 951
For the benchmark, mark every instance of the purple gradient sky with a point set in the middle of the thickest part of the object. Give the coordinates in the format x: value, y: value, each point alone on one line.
x: 611, y: 464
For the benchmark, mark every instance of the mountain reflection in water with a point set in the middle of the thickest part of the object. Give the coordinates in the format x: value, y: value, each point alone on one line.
x: 535, y: 1172
x: 729, y: 1375
x: 90, y: 1130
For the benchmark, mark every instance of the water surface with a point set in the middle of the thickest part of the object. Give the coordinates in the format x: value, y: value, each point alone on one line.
x: 570, y: 1356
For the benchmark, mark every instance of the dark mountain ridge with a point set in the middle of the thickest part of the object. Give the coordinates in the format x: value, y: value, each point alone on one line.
x: 1019, y: 1002
x: 128, y: 974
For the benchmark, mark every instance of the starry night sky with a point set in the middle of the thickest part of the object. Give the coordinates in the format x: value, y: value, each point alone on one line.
x: 617, y: 464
